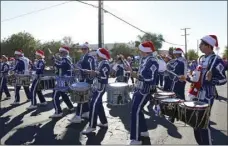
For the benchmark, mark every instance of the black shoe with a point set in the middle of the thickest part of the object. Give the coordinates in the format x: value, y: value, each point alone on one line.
x: 170, y: 119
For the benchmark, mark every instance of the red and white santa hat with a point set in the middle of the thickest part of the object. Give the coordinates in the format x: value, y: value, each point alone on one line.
x: 18, y: 52
x: 40, y: 53
x: 85, y: 45
x: 147, y: 46
x: 178, y: 51
x: 103, y: 53
x: 64, y: 49
x: 11, y: 59
x: 211, y: 40
x: 4, y: 56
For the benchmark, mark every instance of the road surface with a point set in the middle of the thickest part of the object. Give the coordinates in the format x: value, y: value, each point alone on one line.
x: 19, y: 126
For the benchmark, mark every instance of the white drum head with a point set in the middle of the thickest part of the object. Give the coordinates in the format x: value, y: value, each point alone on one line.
x: 166, y: 93
x: 171, y: 100
x: 118, y: 84
x: 196, y: 104
x: 80, y: 86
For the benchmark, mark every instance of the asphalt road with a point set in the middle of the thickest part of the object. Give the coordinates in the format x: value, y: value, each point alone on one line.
x: 19, y: 126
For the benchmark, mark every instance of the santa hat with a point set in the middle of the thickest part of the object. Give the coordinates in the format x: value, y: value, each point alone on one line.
x: 40, y: 53
x: 65, y: 49
x: 147, y: 46
x: 103, y: 53
x: 11, y: 59
x: 199, y: 68
x: 178, y: 51
x: 211, y: 40
x: 18, y: 52
x: 4, y: 56
x: 85, y: 45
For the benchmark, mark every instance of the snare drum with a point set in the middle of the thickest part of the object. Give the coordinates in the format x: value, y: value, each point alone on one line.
x: 46, y: 83
x: 63, y: 83
x: 22, y: 80
x: 194, y: 113
x: 169, y: 106
x: 157, y: 97
x: 11, y: 80
x: 118, y: 93
x: 80, y: 92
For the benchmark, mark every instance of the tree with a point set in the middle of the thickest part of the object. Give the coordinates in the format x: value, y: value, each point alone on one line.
x: 192, y: 54
x: 225, y: 53
x: 171, y: 51
x: 157, y: 39
x: 21, y: 40
x: 123, y: 49
x: 67, y: 40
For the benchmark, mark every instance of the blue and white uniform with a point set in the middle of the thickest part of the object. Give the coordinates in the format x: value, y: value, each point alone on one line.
x: 167, y: 77
x: 39, y: 68
x: 86, y: 62
x: 207, y: 93
x: 3, y: 79
x: 21, y: 67
x: 148, y: 73
x: 178, y: 67
x: 65, y: 70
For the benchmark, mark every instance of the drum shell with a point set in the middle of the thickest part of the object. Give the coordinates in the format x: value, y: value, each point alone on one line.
x: 196, y: 118
x: 46, y: 84
x: 80, y: 96
x: 23, y: 80
x: 169, y: 108
x: 11, y: 80
x: 63, y: 83
x: 118, y: 95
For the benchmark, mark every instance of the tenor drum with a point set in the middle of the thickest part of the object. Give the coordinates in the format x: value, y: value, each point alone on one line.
x: 22, y: 80
x: 11, y: 80
x: 194, y: 113
x: 46, y: 83
x: 80, y: 92
x: 63, y: 83
x: 169, y: 106
x: 118, y: 93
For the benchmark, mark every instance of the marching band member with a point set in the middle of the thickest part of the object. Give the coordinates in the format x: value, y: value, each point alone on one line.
x: 21, y: 67
x: 195, y: 79
x: 167, y: 80
x: 96, y: 106
x: 87, y: 62
x: 213, y: 74
x: 39, y: 67
x: 65, y: 66
x: 12, y: 62
x: 179, y: 68
x: 130, y: 62
x: 3, y: 78
x: 146, y: 83
x: 161, y: 70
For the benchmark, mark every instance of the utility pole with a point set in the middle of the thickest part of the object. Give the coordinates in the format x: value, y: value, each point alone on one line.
x: 100, y: 24
x: 197, y: 47
x: 185, y: 36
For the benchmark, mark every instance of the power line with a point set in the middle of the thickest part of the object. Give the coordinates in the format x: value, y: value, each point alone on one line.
x: 106, y: 11
x: 32, y: 12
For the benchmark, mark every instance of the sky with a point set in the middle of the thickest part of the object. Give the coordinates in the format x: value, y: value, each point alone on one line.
x: 80, y: 21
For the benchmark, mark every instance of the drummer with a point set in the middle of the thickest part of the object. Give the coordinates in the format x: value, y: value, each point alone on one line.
x: 21, y: 67
x: 3, y: 77
x: 145, y: 86
x: 96, y: 106
x: 86, y: 62
x: 39, y: 67
x: 65, y: 66
x: 167, y: 80
x: 210, y: 78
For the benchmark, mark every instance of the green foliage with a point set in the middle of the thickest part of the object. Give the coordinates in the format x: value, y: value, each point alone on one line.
x: 225, y: 53
x: 192, y: 54
x: 122, y: 49
x: 157, y: 39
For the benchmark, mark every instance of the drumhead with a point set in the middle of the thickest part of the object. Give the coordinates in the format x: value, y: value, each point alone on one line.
x: 80, y: 86
x: 161, y: 97
x: 46, y: 78
x: 165, y: 93
x: 170, y: 100
x: 118, y: 84
x: 193, y: 104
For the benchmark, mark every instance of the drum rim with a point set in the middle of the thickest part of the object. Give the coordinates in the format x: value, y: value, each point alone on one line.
x: 109, y: 85
x: 194, y: 107
x: 177, y: 100
x: 158, y: 93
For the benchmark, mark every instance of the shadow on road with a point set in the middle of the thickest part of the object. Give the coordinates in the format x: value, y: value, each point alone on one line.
x: 96, y: 139
x: 41, y: 109
x: 220, y: 98
x: 218, y: 137
x: 6, y: 109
